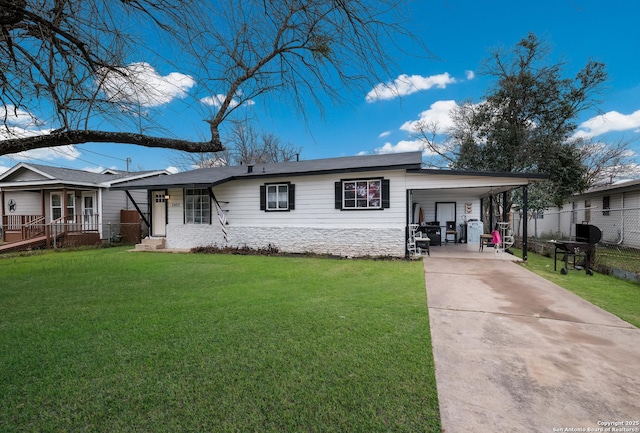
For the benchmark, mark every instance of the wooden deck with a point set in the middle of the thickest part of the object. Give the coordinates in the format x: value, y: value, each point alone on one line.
x: 29, y: 232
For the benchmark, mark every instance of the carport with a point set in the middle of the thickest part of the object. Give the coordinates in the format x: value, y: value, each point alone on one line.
x: 468, y: 199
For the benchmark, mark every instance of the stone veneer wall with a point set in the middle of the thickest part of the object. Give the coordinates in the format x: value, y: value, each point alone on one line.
x: 346, y: 242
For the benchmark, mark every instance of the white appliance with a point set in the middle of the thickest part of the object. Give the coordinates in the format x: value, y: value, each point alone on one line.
x: 474, y: 230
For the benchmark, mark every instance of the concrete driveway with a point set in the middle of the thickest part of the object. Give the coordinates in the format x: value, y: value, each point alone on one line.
x: 516, y: 353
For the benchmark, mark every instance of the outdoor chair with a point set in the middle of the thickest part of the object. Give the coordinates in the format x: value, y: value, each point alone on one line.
x: 451, y: 231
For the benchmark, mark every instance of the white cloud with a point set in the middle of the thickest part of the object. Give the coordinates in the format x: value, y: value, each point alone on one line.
x: 98, y: 169
x: 16, y: 116
x: 404, y: 146
x: 173, y: 170
x: 608, y: 122
x: 3, y: 168
x: 401, y: 146
x: 218, y: 99
x: 384, y: 134
x: 470, y: 75
x: 48, y: 154
x: 438, y: 113
x: 408, y: 84
x: 140, y: 83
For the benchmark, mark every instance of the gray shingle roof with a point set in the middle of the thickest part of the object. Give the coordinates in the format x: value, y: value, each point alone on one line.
x: 212, y: 176
x: 72, y: 176
x: 629, y: 185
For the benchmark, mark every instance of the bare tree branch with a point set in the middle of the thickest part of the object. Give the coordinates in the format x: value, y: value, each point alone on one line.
x: 64, y: 138
x: 71, y: 63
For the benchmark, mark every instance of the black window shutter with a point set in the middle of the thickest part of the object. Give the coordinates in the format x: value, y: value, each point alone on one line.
x: 292, y: 196
x: 338, y: 195
x: 263, y: 197
x: 385, y: 193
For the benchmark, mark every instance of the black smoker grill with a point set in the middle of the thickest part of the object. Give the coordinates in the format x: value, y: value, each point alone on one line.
x: 587, y: 237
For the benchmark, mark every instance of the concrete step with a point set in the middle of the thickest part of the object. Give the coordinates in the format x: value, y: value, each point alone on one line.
x: 150, y: 244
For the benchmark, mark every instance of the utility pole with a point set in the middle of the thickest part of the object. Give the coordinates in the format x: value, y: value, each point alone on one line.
x: 128, y: 162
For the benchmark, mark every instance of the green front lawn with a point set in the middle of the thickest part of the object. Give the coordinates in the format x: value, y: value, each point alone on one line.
x: 113, y: 341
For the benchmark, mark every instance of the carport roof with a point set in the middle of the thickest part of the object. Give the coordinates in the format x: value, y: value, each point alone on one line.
x: 483, y: 183
x: 529, y: 176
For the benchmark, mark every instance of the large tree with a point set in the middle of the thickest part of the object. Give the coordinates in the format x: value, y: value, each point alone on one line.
x: 72, y: 67
x: 527, y: 120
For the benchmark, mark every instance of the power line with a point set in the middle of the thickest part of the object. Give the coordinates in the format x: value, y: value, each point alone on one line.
x: 106, y: 156
x: 60, y: 152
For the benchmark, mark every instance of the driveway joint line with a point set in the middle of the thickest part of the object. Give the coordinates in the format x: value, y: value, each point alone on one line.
x: 530, y: 316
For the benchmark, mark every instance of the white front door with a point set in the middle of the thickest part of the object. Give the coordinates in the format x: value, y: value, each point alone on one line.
x: 159, y: 213
x: 89, y: 217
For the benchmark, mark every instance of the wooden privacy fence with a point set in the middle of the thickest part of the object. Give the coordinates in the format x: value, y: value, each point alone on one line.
x: 130, y: 226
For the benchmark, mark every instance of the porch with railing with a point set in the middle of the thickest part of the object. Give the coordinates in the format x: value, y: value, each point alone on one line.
x: 16, y: 228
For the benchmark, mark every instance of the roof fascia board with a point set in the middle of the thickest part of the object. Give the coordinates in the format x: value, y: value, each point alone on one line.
x: 611, y: 189
x: 48, y: 183
x: 136, y: 177
x: 26, y: 167
x: 531, y: 176
x: 317, y: 173
x: 257, y: 175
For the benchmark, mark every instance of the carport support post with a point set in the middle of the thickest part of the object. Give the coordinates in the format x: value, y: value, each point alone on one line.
x: 525, y: 218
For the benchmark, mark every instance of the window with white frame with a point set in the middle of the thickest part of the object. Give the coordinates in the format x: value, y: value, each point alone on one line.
x: 362, y: 194
x: 197, y: 206
x: 277, y: 197
x: 56, y: 206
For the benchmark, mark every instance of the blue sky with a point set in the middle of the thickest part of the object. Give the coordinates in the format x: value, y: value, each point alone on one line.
x: 459, y: 34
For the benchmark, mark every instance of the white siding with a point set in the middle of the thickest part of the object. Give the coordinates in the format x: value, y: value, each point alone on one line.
x: 114, y: 201
x: 24, y: 175
x: 427, y: 200
x: 313, y: 226
x: 27, y: 203
x: 176, y: 206
x: 620, y: 225
x: 547, y: 226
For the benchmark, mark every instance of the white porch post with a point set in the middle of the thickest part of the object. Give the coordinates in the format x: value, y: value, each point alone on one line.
x: 100, y: 212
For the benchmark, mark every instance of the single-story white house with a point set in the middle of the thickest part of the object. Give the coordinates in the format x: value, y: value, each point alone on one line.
x: 614, y: 209
x: 36, y: 197
x: 349, y: 206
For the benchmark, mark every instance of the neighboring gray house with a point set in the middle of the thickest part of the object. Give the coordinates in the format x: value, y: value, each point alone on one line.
x: 351, y: 206
x: 614, y: 209
x: 34, y: 197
